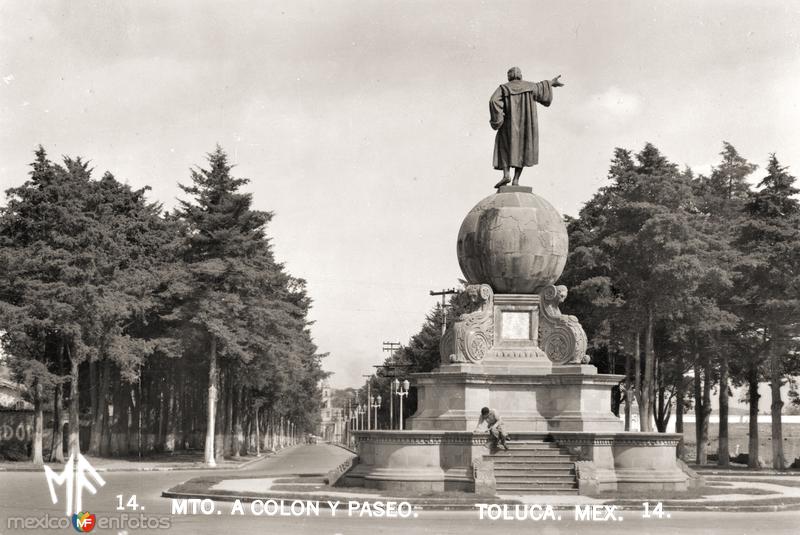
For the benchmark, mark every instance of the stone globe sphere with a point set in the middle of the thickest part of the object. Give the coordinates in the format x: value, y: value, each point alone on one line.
x: 514, y: 241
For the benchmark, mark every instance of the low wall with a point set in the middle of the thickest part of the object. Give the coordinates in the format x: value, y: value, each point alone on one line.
x: 438, y: 461
x: 418, y: 461
x: 16, y: 433
x: 625, y: 461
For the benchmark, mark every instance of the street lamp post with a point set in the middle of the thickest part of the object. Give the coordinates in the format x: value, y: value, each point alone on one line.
x: 401, y: 391
x: 392, y: 348
x: 347, y: 424
x: 352, y: 426
x: 375, y: 403
x: 362, y: 410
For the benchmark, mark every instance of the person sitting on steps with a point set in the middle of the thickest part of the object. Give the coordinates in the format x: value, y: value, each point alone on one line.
x: 495, y: 426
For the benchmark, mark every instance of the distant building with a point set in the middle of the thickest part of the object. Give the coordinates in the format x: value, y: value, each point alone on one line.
x: 331, y: 418
x: 12, y: 394
x: 16, y: 418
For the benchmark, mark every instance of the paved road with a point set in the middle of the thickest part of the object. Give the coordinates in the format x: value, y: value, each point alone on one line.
x: 25, y: 494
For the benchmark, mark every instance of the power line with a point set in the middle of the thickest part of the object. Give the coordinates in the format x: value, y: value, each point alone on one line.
x: 391, y: 346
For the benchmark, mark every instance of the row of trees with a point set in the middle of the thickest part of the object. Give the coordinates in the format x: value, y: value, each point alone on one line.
x: 684, y: 284
x: 157, y: 331
x: 693, y: 283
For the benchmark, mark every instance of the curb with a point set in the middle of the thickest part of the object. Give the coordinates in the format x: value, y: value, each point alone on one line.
x: 354, y: 452
x: 751, y: 508
x: 450, y: 506
x: 264, y: 455
x: 419, y: 505
x: 750, y: 474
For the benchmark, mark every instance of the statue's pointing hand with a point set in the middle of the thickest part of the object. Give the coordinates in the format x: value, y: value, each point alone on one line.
x: 555, y: 82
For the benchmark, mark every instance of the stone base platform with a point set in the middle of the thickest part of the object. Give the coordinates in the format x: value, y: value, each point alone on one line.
x: 438, y: 461
x: 626, y: 461
x: 418, y: 461
x: 567, y: 398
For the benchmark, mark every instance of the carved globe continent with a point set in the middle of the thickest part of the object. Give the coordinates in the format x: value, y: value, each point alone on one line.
x: 515, y: 242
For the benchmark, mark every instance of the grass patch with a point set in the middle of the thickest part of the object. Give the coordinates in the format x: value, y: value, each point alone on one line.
x: 453, y: 496
x: 732, y: 504
x: 198, y: 485
x: 735, y: 468
x: 692, y: 494
x: 782, y: 481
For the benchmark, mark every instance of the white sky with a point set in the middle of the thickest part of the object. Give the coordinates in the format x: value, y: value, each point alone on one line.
x: 364, y: 125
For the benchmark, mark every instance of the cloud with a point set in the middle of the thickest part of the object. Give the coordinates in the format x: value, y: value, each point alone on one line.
x: 617, y: 103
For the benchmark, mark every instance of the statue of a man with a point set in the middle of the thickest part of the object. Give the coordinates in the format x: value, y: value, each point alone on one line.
x: 512, y: 112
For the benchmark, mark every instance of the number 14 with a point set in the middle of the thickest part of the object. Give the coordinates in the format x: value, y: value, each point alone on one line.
x: 132, y: 505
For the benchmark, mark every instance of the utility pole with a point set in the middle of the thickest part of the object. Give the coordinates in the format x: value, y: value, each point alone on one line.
x: 444, y: 294
x: 392, y: 346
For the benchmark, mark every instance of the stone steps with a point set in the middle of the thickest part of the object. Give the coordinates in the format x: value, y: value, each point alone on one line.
x: 533, y: 443
x: 537, y: 490
x: 558, y: 480
x: 534, y: 467
x: 531, y: 447
x: 503, y: 486
x: 529, y: 442
x: 527, y: 452
x: 550, y: 462
x: 516, y: 470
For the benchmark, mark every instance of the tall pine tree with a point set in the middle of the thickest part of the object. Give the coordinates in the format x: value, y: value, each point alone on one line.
x: 770, y: 293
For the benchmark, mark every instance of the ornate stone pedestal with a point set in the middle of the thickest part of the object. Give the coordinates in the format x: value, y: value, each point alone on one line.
x: 512, y: 333
x: 519, y: 354
x: 567, y: 399
x: 510, y: 348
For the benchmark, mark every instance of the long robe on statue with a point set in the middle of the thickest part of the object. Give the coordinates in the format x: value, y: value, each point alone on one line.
x: 512, y: 112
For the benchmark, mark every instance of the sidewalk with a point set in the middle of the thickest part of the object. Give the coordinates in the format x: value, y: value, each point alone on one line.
x: 152, y: 463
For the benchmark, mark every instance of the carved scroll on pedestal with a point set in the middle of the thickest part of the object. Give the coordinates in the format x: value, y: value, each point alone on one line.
x: 560, y: 336
x: 472, y: 334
